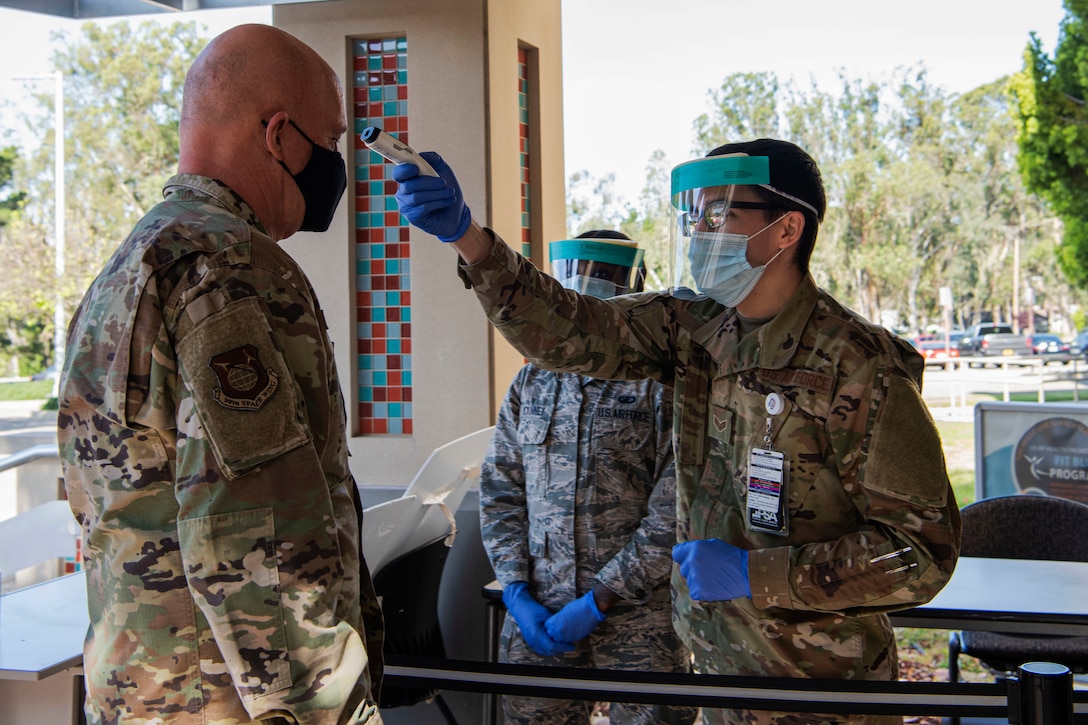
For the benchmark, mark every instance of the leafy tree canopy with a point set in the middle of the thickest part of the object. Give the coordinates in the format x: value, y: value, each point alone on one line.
x: 122, y: 101
x: 1052, y: 136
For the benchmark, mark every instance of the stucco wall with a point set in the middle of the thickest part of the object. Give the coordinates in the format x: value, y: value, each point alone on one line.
x: 462, y: 103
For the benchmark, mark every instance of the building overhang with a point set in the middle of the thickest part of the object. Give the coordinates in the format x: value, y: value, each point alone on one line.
x: 89, y: 9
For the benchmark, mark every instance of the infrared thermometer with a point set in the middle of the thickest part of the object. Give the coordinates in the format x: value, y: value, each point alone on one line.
x: 389, y: 146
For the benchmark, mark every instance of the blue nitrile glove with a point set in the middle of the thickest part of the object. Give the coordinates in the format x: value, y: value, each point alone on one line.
x: 530, y: 616
x: 576, y: 620
x: 435, y: 204
x: 714, y: 569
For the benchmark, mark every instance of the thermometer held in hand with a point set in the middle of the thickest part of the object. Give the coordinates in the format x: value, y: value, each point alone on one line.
x: 394, y: 150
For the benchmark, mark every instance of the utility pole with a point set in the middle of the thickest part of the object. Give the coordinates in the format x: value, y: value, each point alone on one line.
x: 59, y: 317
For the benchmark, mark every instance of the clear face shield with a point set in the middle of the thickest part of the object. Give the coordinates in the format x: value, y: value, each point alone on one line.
x: 704, y: 192
x: 598, y: 267
x: 714, y: 204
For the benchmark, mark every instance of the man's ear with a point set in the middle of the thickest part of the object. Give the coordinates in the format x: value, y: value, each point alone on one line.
x: 274, y: 129
x: 793, y: 226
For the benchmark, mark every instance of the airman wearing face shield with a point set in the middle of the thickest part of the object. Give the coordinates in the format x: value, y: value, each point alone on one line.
x: 724, y: 208
x: 812, y: 495
x: 578, y: 512
x: 602, y: 266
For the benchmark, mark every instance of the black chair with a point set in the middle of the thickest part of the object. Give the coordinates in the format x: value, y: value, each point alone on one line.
x: 1021, y: 526
x: 408, y: 589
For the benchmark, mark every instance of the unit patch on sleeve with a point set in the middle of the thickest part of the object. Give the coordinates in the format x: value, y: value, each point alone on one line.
x: 242, y: 388
x: 244, y: 383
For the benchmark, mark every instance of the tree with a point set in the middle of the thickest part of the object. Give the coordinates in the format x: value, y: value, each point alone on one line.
x: 10, y: 199
x: 122, y: 103
x: 1053, y: 132
x: 923, y: 191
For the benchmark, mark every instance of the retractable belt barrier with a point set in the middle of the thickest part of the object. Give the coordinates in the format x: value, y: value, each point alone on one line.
x: 719, y: 691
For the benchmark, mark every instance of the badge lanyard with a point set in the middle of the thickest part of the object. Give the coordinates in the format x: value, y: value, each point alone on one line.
x: 767, y: 480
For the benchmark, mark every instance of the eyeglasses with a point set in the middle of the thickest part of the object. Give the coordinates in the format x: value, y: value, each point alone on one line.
x: 713, y: 214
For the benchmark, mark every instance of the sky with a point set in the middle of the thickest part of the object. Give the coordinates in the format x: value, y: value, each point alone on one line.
x: 637, y: 73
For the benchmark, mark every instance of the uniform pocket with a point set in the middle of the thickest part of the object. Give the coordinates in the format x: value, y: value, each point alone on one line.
x: 234, y: 579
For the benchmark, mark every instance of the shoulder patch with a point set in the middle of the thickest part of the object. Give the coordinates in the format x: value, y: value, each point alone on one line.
x: 244, y: 383
x: 242, y: 388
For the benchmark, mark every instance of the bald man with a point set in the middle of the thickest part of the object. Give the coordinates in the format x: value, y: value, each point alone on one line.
x: 202, y: 427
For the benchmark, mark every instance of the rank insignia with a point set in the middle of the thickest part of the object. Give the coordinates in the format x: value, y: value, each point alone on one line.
x: 244, y: 384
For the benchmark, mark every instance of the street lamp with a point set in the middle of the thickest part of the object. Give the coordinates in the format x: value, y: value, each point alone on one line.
x: 59, y: 323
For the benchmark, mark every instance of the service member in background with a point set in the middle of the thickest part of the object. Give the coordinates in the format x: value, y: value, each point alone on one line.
x: 578, y: 513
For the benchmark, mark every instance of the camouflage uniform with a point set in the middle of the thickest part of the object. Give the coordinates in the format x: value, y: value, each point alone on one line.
x: 866, y: 469
x: 579, y: 488
x: 202, y: 434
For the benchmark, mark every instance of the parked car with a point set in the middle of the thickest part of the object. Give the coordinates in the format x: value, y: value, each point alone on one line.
x: 993, y: 340
x: 50, y: 373
x: 919, y: 340
x: 1052, y: 346
x: 939, y: 354
x: 1079, y: 346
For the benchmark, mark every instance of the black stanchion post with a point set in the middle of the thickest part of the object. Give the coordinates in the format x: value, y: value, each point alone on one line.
x: 1041, y: 694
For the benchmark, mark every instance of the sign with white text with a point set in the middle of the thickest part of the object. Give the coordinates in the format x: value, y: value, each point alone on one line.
x: 1039, y: 448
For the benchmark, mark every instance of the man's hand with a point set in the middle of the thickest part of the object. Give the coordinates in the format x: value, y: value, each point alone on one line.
x: 576, y: 620
x: 531, y: 615
x: 714, y: 570
x: 434, y: 204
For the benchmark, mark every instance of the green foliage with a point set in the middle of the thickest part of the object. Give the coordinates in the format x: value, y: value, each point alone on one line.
x: 1052, y: 136
x: 28, y: 390
x: 10, y: 200
x: 923, y: 189
x: 122, y: 102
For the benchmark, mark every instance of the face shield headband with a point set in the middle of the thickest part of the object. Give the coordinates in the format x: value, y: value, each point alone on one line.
x: 702, y: 196
x: 598, y: 267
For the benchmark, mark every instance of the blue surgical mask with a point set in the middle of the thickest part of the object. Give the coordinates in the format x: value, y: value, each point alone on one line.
x: 593, y: 286
x: 720, y: 268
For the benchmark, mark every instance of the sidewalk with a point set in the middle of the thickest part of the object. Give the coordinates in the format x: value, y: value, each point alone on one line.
x: 25, y: 414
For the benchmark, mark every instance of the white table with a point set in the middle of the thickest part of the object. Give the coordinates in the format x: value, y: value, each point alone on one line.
x: 42, y: 628
x: 1022, y: 596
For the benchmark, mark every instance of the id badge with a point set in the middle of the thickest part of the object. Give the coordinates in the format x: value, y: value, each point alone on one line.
x: 767, y: 492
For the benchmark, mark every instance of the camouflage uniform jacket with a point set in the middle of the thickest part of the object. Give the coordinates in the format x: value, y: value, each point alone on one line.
x: 873, y: 523
x: 202, y: 435
x: 579, y: 487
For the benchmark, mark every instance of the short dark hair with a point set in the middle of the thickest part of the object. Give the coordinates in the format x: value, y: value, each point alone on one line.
x: 603, y: 234
x: 794, y: 172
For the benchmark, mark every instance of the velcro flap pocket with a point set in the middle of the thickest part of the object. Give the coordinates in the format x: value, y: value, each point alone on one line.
x: 242, y: 388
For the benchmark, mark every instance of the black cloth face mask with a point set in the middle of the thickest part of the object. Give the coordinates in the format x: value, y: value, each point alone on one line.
x: 321, y: 182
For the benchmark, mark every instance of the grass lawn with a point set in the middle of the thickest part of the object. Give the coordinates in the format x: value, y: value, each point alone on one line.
x: 28, y: 390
